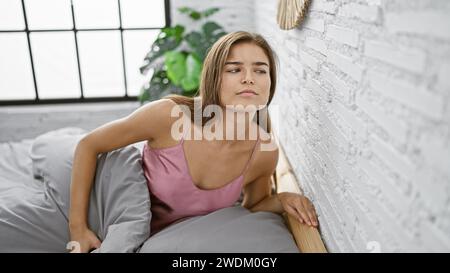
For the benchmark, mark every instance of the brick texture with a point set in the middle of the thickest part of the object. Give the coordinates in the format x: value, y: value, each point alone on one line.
x: 367, y: 125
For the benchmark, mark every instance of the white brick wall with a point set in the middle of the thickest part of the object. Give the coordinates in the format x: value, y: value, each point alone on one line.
x: 367, y: 124
x: 343, y: 35
x: 316, y: 44
x: 412, y: 60
x: 430, y: 22
x: 365, y: 13
x: 408, y: 94
x: 345, y: 64
x: 315, y: 24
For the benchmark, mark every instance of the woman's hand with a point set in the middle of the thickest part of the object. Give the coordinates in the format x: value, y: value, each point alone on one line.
x: 299, y: 207
x: 85, y: 240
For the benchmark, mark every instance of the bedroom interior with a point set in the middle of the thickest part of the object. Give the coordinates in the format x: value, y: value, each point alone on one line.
x: 361, y: 116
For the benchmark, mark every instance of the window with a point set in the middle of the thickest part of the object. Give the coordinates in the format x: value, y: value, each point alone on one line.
x: 54, y: 51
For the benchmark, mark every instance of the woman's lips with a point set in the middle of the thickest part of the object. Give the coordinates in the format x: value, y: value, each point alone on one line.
x: 246, y: 94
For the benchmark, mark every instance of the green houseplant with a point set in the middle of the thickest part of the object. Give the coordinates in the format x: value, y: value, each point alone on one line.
x: 176, y: 57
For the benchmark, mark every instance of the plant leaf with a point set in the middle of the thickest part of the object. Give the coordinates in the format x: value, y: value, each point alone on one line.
x: 158, y: 87
x: 209, y: 12
x: 176, y: 66
x: 177, y: 71
x: 195, y: 41
x: 168, y: 39
x: 193, y: 69
x: 212, y: 32
x: 184, y: 9
x: 200, y: 42
x: 195, y: 15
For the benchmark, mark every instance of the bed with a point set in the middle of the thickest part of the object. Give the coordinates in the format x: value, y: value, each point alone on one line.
x: 34, y: 203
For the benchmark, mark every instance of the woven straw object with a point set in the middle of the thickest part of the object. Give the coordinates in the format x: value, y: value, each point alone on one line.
x: 291, y: 13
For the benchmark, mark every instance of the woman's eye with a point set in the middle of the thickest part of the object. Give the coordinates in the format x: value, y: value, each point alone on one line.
x: 238, y: 70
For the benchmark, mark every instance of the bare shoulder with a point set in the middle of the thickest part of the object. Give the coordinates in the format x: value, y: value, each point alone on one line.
x: 161, y: 107
x: 149, y: 122
x: 168, y: 114
x: 163, y: 110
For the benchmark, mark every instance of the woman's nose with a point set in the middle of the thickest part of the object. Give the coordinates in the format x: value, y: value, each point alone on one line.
x: 248, y: 79
x: 245, y: 81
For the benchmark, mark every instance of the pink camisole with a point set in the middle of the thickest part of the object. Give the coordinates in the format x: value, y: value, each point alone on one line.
x: 174, y: 196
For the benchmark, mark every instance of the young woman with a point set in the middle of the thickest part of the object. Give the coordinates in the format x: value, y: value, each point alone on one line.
x: 196, y: 174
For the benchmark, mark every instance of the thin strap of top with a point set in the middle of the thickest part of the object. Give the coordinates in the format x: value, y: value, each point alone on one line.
x: 183, y: 135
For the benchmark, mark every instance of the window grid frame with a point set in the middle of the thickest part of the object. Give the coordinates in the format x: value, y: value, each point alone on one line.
x: 82, y: 99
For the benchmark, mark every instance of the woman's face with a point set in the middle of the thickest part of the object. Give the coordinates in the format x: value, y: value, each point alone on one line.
x: 246, y: 77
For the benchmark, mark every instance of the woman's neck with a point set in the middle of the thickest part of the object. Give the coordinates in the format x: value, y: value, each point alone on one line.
x: 231, y: 126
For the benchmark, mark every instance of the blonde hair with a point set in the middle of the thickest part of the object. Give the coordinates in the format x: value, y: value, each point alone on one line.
x: 211, y: 77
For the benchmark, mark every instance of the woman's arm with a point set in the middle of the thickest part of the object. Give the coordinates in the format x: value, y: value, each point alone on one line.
x: 258, y: 196
x: 83, y: 168
x: 146, y: 123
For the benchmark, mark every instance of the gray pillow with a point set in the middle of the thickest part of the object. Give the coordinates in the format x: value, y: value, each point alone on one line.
x: 52, y: 155
x: 119, y: 210
x: 233, y: 230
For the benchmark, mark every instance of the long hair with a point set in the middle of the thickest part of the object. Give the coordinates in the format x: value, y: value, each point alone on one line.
x: 211, y: 77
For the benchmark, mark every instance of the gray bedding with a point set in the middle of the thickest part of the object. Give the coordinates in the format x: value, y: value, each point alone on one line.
x: 34, y: 203
x: 34, y: 206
